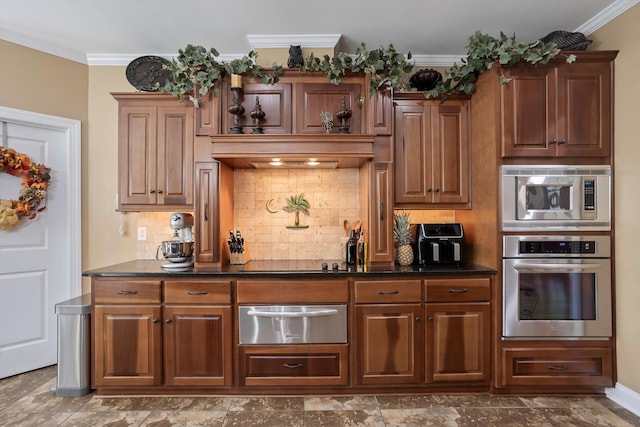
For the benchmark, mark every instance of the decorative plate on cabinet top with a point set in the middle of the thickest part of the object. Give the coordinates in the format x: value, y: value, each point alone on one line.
x: 144, y: 72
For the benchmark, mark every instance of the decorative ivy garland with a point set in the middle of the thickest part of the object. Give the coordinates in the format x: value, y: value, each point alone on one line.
x: 35, y: 178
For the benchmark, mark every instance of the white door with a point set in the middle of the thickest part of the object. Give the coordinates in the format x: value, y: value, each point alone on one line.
x: 40, y: 258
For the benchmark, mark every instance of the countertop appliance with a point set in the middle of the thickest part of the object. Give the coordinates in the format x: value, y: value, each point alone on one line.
x: 179, y: 250
x: 561, y: 198
x: 439, y: 244
x: 557, y: 286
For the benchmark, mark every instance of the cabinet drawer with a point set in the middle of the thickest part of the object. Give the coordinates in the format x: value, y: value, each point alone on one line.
x: 126, y: 291
x: 387, y: 291
x: 294, y: 365
x: 455, y: 290
x: 197, y: 292
x: 560, y: 367
x: 292, y: 291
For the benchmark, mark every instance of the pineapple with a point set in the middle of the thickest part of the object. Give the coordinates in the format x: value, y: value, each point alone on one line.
x: 402, y: 234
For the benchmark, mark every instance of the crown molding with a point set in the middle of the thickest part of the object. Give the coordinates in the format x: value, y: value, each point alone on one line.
x: 30, y: 42
x: 435, y: 60
x: 111, y: 59
x: 258, y: 41
x: 607, y: 15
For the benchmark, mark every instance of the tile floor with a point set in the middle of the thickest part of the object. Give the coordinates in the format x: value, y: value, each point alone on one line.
x: 27, y: 400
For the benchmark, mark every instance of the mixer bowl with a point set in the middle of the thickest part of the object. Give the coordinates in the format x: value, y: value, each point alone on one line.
x: 176, y: 251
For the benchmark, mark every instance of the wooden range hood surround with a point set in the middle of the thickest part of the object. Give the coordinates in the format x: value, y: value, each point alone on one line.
x: 242, y: 151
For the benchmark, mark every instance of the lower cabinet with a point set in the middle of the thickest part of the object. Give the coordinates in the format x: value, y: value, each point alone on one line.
x: 388, y: 344
x: 388, y: 335
x: 127, y: 345
x: 457, y: 343
x: 294, y: 365
x: 545, y: 364
x: 458, y: 330
x: 153, y: 333
x: 197, y: 346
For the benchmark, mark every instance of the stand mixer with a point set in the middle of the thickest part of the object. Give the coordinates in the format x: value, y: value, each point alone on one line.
x: 179, y: 250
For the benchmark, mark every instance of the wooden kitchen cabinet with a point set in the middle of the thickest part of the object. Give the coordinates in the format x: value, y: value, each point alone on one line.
x: 155, y: 152
x: 576, y: 364
x: 431, y: 146
x: 126, y: 333
x: 458, y: 330
x: 197, y: 333
x: 559, y: 109
x: 388, y: 341
x: 377, y: 178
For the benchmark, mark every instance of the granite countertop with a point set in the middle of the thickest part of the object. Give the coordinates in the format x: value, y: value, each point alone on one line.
x: 280, y: 268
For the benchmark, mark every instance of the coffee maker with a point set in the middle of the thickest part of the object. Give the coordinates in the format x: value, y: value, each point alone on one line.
x: 179, y: 250
x: 439, y: 244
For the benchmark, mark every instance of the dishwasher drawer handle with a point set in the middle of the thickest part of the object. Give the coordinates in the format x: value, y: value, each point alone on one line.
x: 197, y: 292
x: 558, y: 368
x: 388, y: 292
x: 458, y: 291
x: 122, y: 292
x: 296, y: 366
x: 317, y: 313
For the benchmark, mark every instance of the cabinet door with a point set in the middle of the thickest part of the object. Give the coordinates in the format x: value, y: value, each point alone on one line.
x: 412, y: 154
x: 529, y: 112
x: 381, y: 214
x: 197, y: 345
x: 127, y: 347
x: 584, y: 109
x: 458, y: 342
x: 137, y: 155
x: 314, y: 98
x: 175, y: 156
x: 450, y: 148
x: 388, y: 344
x: 206, y: 212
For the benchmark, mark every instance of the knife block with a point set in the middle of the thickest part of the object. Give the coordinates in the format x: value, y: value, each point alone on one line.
x: 239, y: 259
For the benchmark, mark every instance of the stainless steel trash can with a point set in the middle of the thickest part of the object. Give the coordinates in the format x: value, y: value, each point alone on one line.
x: 74, y: 364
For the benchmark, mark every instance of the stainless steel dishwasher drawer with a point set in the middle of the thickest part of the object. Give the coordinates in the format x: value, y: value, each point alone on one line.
x: 293, y: 324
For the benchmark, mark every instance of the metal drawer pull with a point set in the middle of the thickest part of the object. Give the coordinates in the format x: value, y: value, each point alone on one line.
x: 317, y: 313
x: 458, y: 291
x: 558, y: 368
x: 121, y: 292
x: 197, y: 292
x: 388, y: 292
x: 299, y: 365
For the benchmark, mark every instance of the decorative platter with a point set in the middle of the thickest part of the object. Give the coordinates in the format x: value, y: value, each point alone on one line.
x: 144, y: 72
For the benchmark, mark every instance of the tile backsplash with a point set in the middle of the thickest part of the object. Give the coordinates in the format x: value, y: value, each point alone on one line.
x: 332, y: 193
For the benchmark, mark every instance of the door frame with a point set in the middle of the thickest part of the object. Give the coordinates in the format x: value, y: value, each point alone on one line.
x: 73, y: 138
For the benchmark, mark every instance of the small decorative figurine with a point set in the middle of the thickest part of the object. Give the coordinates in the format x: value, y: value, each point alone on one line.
x: 295, y: 57
x: 326, y: 118
x: 344, y: 115
x: 257, y: 114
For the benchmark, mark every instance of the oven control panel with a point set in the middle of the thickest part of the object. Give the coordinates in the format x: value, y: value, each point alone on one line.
x: 558, y: 247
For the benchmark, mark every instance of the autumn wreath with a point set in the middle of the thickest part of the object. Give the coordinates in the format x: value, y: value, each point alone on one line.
x: 35, y: 178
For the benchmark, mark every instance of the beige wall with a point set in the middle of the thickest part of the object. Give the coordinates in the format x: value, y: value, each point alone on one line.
x: 623, y: 34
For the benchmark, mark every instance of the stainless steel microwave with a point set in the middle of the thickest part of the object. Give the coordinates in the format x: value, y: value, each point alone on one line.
x: 558, y: 198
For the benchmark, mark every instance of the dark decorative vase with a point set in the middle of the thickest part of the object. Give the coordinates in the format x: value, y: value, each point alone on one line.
x: 425, y: 79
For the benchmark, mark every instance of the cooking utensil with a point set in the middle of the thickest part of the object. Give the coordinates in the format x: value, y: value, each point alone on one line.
x: 345, y: 224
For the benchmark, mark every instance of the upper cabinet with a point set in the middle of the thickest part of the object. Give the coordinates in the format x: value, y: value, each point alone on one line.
x: 431, y: 152
x: 559, y: 109
x: 155, y: 152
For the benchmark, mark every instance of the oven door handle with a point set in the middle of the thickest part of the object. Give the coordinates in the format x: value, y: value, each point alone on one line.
x: 529, y: 266
x: 316, y: 313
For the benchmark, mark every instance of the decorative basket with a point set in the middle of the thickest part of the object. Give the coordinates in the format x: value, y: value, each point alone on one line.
x: 566, y: 40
